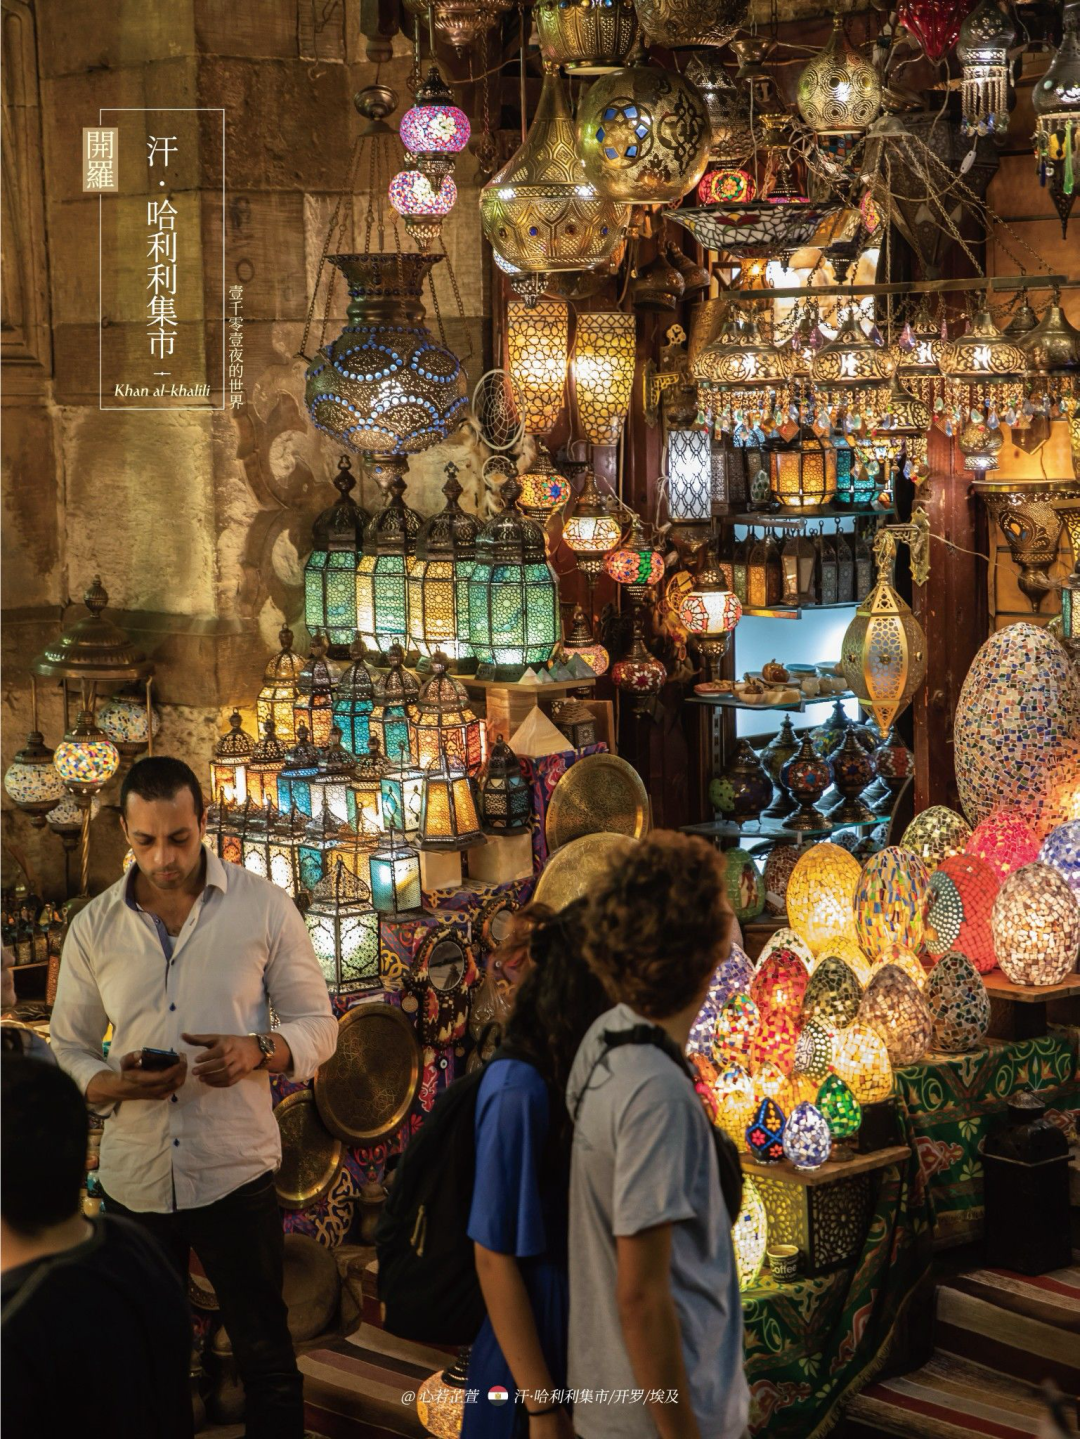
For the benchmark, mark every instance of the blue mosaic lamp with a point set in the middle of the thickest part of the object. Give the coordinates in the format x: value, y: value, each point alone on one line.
x: 807, y: 1137
x: 330, y: 571
x: 513, y: 595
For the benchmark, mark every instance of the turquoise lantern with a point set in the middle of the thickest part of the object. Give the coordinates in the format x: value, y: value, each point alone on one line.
x: 354, y: 699
x: 513, y: 595
x: 395, y: 695
x: 295, y: 777
x: 382, y: 576
x: 439, y: 583
x: 330, y: 572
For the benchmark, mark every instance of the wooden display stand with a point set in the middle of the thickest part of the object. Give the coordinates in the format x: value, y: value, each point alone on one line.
x: 1023, y: 1011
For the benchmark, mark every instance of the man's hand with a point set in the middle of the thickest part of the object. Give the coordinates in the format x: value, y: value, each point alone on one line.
x: 227, y: 1059
x: 134, y: 1082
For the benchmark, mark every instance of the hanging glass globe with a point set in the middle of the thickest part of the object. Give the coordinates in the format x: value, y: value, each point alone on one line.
x: 32, y: 782
x: 422, y: 205
x: 86, y: 758
x: 434, y: 130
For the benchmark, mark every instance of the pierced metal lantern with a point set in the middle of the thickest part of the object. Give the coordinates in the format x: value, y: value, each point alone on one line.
x: 295, y: 776
x: 740, y: 359
x: 605, y: 349
x: 883, y: 654
x: 443, y: 722
x: 32, y: 782
x: 315, y: 687
x: 331, y: 784
x: 228, y: 768
x: 513, y: 594
x: 323, y: 837
x: 448, y: 813
x: 370, y: 769
x: 330, y: 571
x: 382, y: 576
x: 354, y: 699
x: 268, y: 759
x: 839, y: 92
x: 983, y: 51
x: 401, y: 790
x: 344, y: 931
x: 279, y: 689
x: 261, y: 839
x: 802, y: 470
x: 395, y: 878
x: 438, y: 582
x: 585, y: 37
x: 1056, y: 102
x: 505, y: 798
x: 851, y: 372
x: 537, y: 342
x: 396, y: 693
x: 689, y: 476
x: 982, y: 356
x: 729, y: 474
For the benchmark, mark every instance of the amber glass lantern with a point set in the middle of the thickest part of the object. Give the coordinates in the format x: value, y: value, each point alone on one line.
x: 537, y: 340
x: 604, y: 357
x: 438, y: 585
x: 382, y: 576
x: 802, y: 471
x: 821, y: 896
x: 228, y: 769
x: 263, y: 840
x: 396, y: 693
x: 443, y: 722
x: 330, y: 572
x: 266, y: 763
x: 279, y: 691
x: 505, y: 798
x: 448, y: 813
x: 591, y: 529
x: 354, y: 699
x: 367, y: 785
x: 315, y: 687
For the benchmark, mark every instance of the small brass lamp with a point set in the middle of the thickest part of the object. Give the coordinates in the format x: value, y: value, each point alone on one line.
x: 228, y: 769
x: 268, y: 758
x: 315, y: 686
x: 505, y: 798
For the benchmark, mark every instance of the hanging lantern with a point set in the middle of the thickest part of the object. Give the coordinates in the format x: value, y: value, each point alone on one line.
x: 385, y: 386
x: 395, y: 878
x: 543, y: 489
x: 448, y: 814
x: 689, y: 476
x: 279, y: 690
x: 636, y: 564
x: 261, y: 839
x: 643, y: 134
x: 330, y: 571
x: 604, y: 361
x: 422, y: 204
x: 729, y: 474
x: 918, y: 352
x: 438, y: 582
x: 883, y: 655
x: 838, y: 92
x: 739, y: 358
x: 513, y: 594
x: 129, y: 723
x: 589, y: 38
x: 396, y: 693
x: 367, y: 785
x: 537, y: 341
x: 315, y: 687
x: 354, y: 698
x: 904, y: 417
x: 802, y: 470
x: 935, y: 24
x: 434, y: 130
x: 443, y: 722
x: 982, y: 368
x: 983, y: 51
x: 710, y: 612
x: 1056, y: 102
x: 344, y: 932
x: 591, y: 530
x: 32, y: 782
x: 505, y: 798
x: 731, y: 133
x: 1036, y: 926
x: 540, y: 211
x: 228, y: 768
x: 86, y: 758
x: 1052, y: 347
x: 382, y: 576
x: 581, y: 642
x: 296, y: 774
x: 979, y: 445
x: 639, y: 674
x: 267, y: 760
x: 851, y: 372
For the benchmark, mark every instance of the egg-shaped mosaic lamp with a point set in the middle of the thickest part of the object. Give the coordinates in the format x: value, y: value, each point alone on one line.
x: 749, y: 1235
x: 833, y: 995
x: 382, y: 574
x: 813, y: 1051
x: 778, y: 870
x: 891, y: 900
x: 842, y: 1111
x: 786, y: 938
x: 330, y: 571
x: 821, y: 895
x: 743, y: 884
x: 1036, y: 925
x: 765, y: 1133
x: 959, y: 1004
x: 513, y: 595
x: 962, y: 893
x: 862, y: 1062
x: 1004, y: 841
x: 279, y: 692
x: 736, y: 1026
x: 935, y: 834
x: 1061, y: 849
x: 807, y: 1138
x: 228, y: 768
x: 894, y: 1007
x: 438, y: 582
x: 779, y: 986
x: 31, y: 781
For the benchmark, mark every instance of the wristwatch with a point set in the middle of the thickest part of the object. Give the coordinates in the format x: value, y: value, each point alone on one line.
x: 268, y: 1045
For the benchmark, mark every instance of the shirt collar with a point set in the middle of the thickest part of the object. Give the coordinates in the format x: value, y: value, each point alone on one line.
x: 217, y: 877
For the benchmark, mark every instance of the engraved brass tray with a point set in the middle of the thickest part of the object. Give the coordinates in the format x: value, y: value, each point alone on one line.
x: 600, y: 794
x: 367, y: 1087
x: 310, y: 1157
x: 572, y: 872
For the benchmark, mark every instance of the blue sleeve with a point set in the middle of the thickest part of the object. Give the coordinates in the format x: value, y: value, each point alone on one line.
x: 511, y: 1129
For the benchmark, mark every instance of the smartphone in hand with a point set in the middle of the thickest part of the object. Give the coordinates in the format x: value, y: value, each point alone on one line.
x: 159, y: 1058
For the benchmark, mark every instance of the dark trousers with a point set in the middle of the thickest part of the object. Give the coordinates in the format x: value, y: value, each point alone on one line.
x: 241, y: 1246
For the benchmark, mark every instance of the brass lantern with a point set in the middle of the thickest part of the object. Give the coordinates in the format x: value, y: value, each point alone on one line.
x: 353, y: 701
x: 851, y: 372
x: 983, y: 51
x: 740, y: 359
x: 731, y: 131
x: 537, y: 341
x: 267, y: 761
x: 279, y: 691
x: 438, y: 583
x: 315, y: 686
x: 604, y: 360
x: 585, y: 37
x: 460, y: 23
x: 367, y: 785
x: 344, y: 931
x: 838, y: 92
x: 679, y: 23
x: 228, y: 770
x: 330, y: 571
x: 802, y: 470
x: 505, y: 798
x: 883, y: 655
x: 1053, y: 346
x: 448, y: 814
x: 443, y: 722
x: 382, y: 576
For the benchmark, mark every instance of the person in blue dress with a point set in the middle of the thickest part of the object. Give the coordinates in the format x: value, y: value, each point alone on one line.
x: 519, y: 1217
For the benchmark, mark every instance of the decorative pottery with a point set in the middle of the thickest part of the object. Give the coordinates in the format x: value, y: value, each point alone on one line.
x: 806, y: 775
x: 744, y: 884
x: 852, y: 770
x: 746, y: 783
x: 782, y: 747
x: 958, y: 1003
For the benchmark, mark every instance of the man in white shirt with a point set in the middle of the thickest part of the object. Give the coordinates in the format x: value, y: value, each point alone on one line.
x: 187, y: 954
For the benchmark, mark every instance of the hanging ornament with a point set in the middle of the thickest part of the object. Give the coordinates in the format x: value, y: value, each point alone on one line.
x: 1056, y: 102
x: 839, y: 92
x: 883, y: 654
x: 422, y: 204
x: 731, y: 137
x: 983, y: 51
x: 434, y: 130
x: 935, y: 24
x: 640, y: 675
x: 585, y: 39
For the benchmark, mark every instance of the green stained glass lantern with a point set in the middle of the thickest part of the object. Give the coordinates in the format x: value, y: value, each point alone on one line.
x: 267, y: 761
x: 295, y: 776
x: 443, y: 722
x: 354, y: 700
x: 395, y: 877
x: 513, y: 594
x: 315, y: 686
x: 332, y: 782
x: 279, y: 690
x: 330, y: 572
x: 228, y: 768
x: 505, y: 798
x: 382, y: 576
x: 344, y: 932
x: 396, y: 693
x: 448, y: 813
x: 367, y: 785
x: 438, y: 586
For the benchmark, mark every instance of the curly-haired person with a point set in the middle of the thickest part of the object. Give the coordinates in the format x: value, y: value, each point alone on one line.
x: 655, y: 1317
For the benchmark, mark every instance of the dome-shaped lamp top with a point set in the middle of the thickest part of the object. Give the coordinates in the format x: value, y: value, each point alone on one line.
x: 398, y: 686
x: 985, y: 35
x: 374, y: 764
x: 269, y: 751
x: 434, y: 125
x: 839, y: 92
x: 303, y: 757
x: 235, y: 746
x: 356, y: 682
x: 341, y: 526
x: 1057, y: 94
x: 318, y: 675
x: 393, y: 529
x: 451, y: 531
x: 511, y: 537
x: 93, y: 648
x: 285, y: 666
x: 983, y: 353
x: 442, y: 698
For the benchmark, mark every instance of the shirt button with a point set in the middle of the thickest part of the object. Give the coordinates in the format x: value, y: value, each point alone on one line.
x: 176, y: 1142
x: 172, y: 1006
x: 174, y: 1099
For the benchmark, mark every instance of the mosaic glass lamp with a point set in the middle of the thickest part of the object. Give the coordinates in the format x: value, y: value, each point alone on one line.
x: 396, y: 693
x: 833, y: 994
x: 1036, y: 926
x: 505, y: 797
x: 749, y: 1235
x: 382, y: 575
x: 590, y: 530
x: 438, y: 583
x: 807, y: 1137
x: 32, y: 782
x: 354, y: 699
x: 448, y: 813
x: 228, y: 768
x: 434, y: 130
x: 513, y: 594
x: 636, y: 564
x: 330, y: 571
x: 537, y: 343
x: 604, y: 361
x: 395, y: 877
x: 821, y: 896
x: 86, y: 758
x: 582, y: 643
x: 639, y: 674
x: 813, y: 1051
x: 959, y: 1004
x: 710, y: 613
x: 1005, y: 841
x: 895, y: 1008
x: 268, y: 759
x: 370, y: 769
x: 332, y: 782
x: 842, y: 1111
x: 802, y: 470
x: 422, y: 204
x: 295, y: 776
x: 935, y: 834
x: 779, y: 985
x: 862, y: 1062
x: 806, y: 777
x: 543, y: 489
x: 962, y: 893
x: 315, y: 685
x: 765, y: 1133
x: 443, y: 722
x: 891, y: 900
x: 344, y: 932
x: 1061, y: 849
x: 279, y: 691
x: 736, y: 1027
x: 125, y: 719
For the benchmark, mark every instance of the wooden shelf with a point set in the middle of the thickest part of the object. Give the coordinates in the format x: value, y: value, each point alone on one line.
x: 825, y: 512
x: 729, y: 702
x: 830, y: 1171
x: 998, y: 987
x: 770, y: 829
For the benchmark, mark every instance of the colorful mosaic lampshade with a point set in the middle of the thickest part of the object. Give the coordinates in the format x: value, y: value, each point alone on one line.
x: 537, y: 342
x: 370, y: 768
x: 434, y: 130
x: 891, y: 900
x: 382, y: 575
x: 736, y: 1026
x: 296, y: 774
x: 422, y: 203
x: 807, y: 1137
x: 505, y: 798
x: 639, y: 674
x: 765, y: 1133
x: 125, y: 719
x: 813, y: 1051
x: 443, y: 722
x: 778, y: 869
x: 1036, y: 925
x: 862, y: 1062
x: 842, y: 1111
x: 344, y: 932
x: 354, y: 699
x: 958, y: 1003
x: 854, y: 957
x: 438, y: 583
x: 802, y: 470
x: 279, y: 690
x: 821, y: 896
x: 904, y: 959
x: 228, y: 768
x: 1004, y: 841
x: 743, y: 884
x: 833, y: 994
x: 315, y: 688
x: 636, y: 564
x: 31, y: 781
x: 543, y: 489
x: 962, y: 893
x: 268, y: 759
x: 732, y: 976
x: 710, y: 611
x: 448, y: 811
x: 513, y: 594
x: 396, y: 692
x: 604, y: 359
x: 330, y: 571
x: 779, y: 986
x: 395, y: 878
x: 786, y: 939
x: 749, y: 1235
x: 1061, y: 849
x: 935, y: 834
x: 86, y: 758
x: 894, y: 1007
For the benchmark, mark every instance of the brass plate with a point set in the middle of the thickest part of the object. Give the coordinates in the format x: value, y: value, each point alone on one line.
x: 600, y: 794
x: 573, y: 871
x: 310, y: 1157
x: 365, y: 1089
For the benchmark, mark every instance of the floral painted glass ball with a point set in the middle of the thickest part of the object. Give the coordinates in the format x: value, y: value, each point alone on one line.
x: 786, y: 939
x: 833, y: 995
x: 778, y: 868
x: 736, y: 1025
x: 962, y: 893
x: 1036, y: 924
x: 894, y: 1006
x: 814, y: 1050
x: 862, y: 1062
x: 958, y: 1003
x: 765, y: 1133
x: 821, y: 895
x: 743, y: 883
x: 807, y: 1138
x: 935, y: 834
x: 1060, y: 848
x: 891, y: 900
x: 749, y: 1234
x: 842, y: 1111
x: 1004, y: 841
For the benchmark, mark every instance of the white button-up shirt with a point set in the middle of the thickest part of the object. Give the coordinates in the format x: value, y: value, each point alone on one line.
x: 243, y: 947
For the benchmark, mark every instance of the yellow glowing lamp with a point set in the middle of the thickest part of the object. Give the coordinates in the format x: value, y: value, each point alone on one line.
x: 537, y: 339
x: 883, y: 655
x: 604, y: 360
x: 821, y: 895
x: 862, y: 1062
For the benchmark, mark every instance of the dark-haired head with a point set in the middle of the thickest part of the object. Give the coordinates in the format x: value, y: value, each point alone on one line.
x: 43, y: 1141
x: 161, y: 810
x: 160, y: 776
